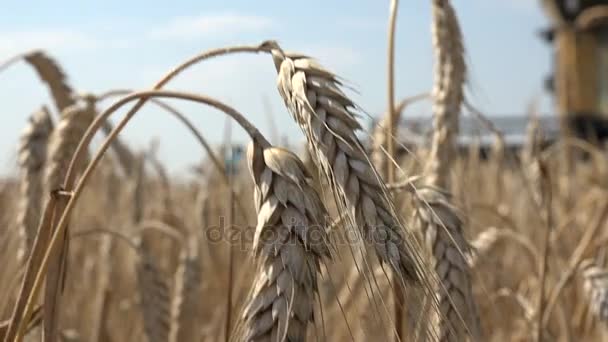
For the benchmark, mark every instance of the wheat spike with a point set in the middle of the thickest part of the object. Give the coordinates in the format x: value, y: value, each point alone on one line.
x: 62, y: 145
x: 596, y: 288
x: 154, y: 296
x: 32, y: 156
x: 324, y: 113
x: 65, y: 138
x: 185, y: 309
x: 289, y: 244
x: 448, y: 90
x: 436, y: 217
x: 51, y: 73
x: 442, y: 228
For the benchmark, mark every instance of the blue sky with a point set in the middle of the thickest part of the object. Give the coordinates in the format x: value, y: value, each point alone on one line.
x: 130, y: 44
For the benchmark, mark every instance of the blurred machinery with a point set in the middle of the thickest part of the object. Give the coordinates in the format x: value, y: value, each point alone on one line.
x: 579, y: 83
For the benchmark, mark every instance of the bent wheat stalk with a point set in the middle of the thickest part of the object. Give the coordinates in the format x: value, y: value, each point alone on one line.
x: 37, y: 271
x: 290, y: 241
x: 50, y: 73
x: 32, y: 156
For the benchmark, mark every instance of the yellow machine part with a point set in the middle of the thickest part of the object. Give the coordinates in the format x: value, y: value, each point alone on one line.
x: 581, y: 75
x: 577, y: 75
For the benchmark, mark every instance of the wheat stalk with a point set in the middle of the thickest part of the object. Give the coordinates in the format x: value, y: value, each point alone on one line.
x: 324, y: 113
x: 380, y: 137
x: 290, y: 241
x: 436, y: 217
x: 62, y: 145
x: 32, y: 156
x: 596, y: 288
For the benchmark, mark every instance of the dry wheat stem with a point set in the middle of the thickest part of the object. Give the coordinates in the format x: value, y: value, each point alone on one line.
x: 32, y: 156
x: 289, y: 242
x: 62, y: 144
x: 390, y: 129
x: 323, y: 112
x: 23, y: 308
x: 122, y: 151
x: 263, y: 47
x: 397, y: 292
x: 30, y: 288
x: 5, y: 64
x: 197, y: 134
x: 456, y: 317
x: 379, y: 137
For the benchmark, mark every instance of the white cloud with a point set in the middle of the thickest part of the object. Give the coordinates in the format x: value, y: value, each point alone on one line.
x: 202, y: 25
x: 12, y: 42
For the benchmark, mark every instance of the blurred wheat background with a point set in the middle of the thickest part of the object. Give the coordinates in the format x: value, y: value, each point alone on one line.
x: 347, y: 232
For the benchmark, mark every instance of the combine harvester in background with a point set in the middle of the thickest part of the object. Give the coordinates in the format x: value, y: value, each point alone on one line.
x: 579, y: 83
x: 578, y: 36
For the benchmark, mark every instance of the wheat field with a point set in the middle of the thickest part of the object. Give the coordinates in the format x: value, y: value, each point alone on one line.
x: 358, y: 238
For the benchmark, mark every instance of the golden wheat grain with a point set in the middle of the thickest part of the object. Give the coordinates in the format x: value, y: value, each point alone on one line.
x: 324, y: 113
x: 32, y: 156
x: 442, y: 226
x: 290, y: 241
